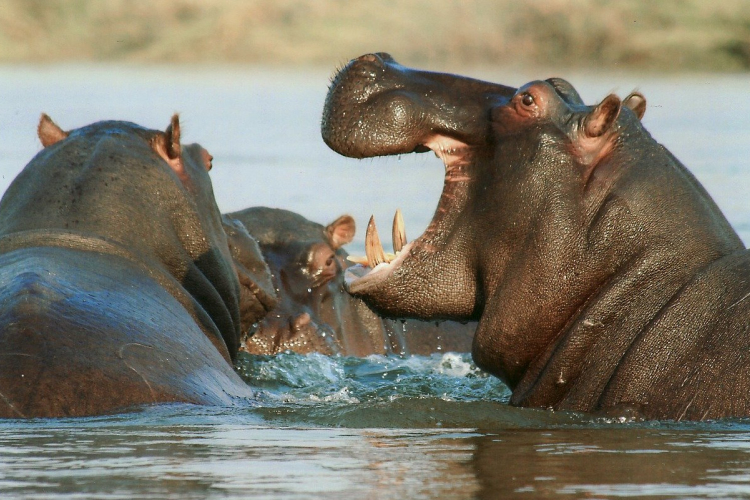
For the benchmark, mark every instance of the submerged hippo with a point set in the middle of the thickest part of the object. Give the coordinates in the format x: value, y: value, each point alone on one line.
x: 603, y: 276
x: 117, y: 283
x: 315, y: 314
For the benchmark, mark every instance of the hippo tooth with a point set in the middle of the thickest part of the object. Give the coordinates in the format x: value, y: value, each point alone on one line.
x: 373, y: 247
x: 399, y: 232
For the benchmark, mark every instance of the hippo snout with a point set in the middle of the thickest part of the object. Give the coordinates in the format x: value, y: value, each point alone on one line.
x: 405, y: 108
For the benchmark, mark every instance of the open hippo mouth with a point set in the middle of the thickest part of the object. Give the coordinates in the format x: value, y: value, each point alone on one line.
x: 377, y: 107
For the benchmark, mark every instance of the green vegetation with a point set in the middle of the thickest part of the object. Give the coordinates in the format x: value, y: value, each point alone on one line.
x: 666, y: 35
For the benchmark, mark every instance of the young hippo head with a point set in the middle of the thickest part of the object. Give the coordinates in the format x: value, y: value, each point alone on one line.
x: 314, y: 314
x: 555, y: 220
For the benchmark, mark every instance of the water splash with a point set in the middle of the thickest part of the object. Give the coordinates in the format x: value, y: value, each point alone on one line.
x: 413, y: 391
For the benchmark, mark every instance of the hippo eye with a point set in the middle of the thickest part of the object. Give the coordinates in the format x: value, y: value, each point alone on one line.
x: 527, y: 99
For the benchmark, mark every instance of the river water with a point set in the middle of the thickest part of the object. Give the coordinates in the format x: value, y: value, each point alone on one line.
x: 419, y: 427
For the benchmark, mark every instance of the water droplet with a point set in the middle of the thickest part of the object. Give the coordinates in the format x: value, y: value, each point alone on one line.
x: 309, y: 290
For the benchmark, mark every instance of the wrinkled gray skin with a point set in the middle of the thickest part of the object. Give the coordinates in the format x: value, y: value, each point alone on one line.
x: 604, y: 277
x: 117, y: 283
x: 314, y: 313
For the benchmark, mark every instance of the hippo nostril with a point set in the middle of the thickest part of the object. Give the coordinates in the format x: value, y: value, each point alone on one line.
x: 385, y: 57
x: 378, y: 59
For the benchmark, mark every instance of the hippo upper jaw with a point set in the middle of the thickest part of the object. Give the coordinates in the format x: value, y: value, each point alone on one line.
x: 412, y: 107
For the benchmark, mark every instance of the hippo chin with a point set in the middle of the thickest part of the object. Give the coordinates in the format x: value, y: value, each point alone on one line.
x: 117, y: 283
x: 314, y: 312
x: 602, y: 274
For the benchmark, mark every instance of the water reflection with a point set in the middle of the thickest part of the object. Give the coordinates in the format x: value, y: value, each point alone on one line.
x: 607, y: 463
x: 118, y: 459
x: 199, y: 461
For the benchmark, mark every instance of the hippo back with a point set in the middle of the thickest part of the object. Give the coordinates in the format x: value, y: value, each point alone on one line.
x: 117, y: 285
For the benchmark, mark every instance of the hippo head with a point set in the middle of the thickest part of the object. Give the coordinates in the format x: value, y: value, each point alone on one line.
x: 307, y: 262
x: 537, y: 209
x: 415, y: 111
x: 151, y: 199
x: 257, y: 295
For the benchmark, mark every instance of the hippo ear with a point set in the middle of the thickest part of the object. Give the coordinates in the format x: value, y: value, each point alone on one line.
x: 341, y: 231
x: 49, y: 132
x: 636, y: 103
x: 602, y: 117
x: 174, y: 149
x: 167, y: 145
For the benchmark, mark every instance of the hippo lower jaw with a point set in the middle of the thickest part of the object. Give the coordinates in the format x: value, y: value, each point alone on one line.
x: 421, y: 262
x: 359, y: 278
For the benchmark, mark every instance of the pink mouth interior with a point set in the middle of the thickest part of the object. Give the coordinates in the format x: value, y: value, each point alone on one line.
x: 453, y: 154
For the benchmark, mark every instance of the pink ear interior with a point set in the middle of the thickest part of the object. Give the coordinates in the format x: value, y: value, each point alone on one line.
x: 603, y: 116
x: 167, y: 145
x: 49, y: 132
x: 636, y: 103
x: 341, y: 231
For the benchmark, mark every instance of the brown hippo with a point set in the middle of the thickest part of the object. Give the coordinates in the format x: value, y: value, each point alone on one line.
x: 117, y: 283
x: 314, y: 313
x: 603, y: 276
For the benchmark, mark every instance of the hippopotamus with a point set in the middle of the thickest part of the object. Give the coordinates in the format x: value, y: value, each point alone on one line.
x: 604, y: 277
x: 314, y: 313
x: 118, y: 286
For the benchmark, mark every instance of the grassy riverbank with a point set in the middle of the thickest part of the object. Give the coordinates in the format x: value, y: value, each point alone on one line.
x: 664, y: 35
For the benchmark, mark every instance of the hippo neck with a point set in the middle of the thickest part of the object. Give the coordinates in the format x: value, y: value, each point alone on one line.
x: 573, y: 370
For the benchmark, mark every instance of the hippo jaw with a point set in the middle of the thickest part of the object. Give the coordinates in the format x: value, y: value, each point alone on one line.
x: 388, y: 283
x: 417, y: 111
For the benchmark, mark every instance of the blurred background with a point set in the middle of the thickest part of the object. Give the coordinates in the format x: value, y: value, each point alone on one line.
x: 249, y: 78
x: 664, y: 35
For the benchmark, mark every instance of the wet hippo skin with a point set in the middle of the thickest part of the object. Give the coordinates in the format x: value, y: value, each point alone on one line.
x: 603, y: 276
x: 315, y: 313
x: 117, y: 284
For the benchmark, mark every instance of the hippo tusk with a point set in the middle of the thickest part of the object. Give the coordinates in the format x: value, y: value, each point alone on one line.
x: 399, y: 232
x: 373, y: 247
